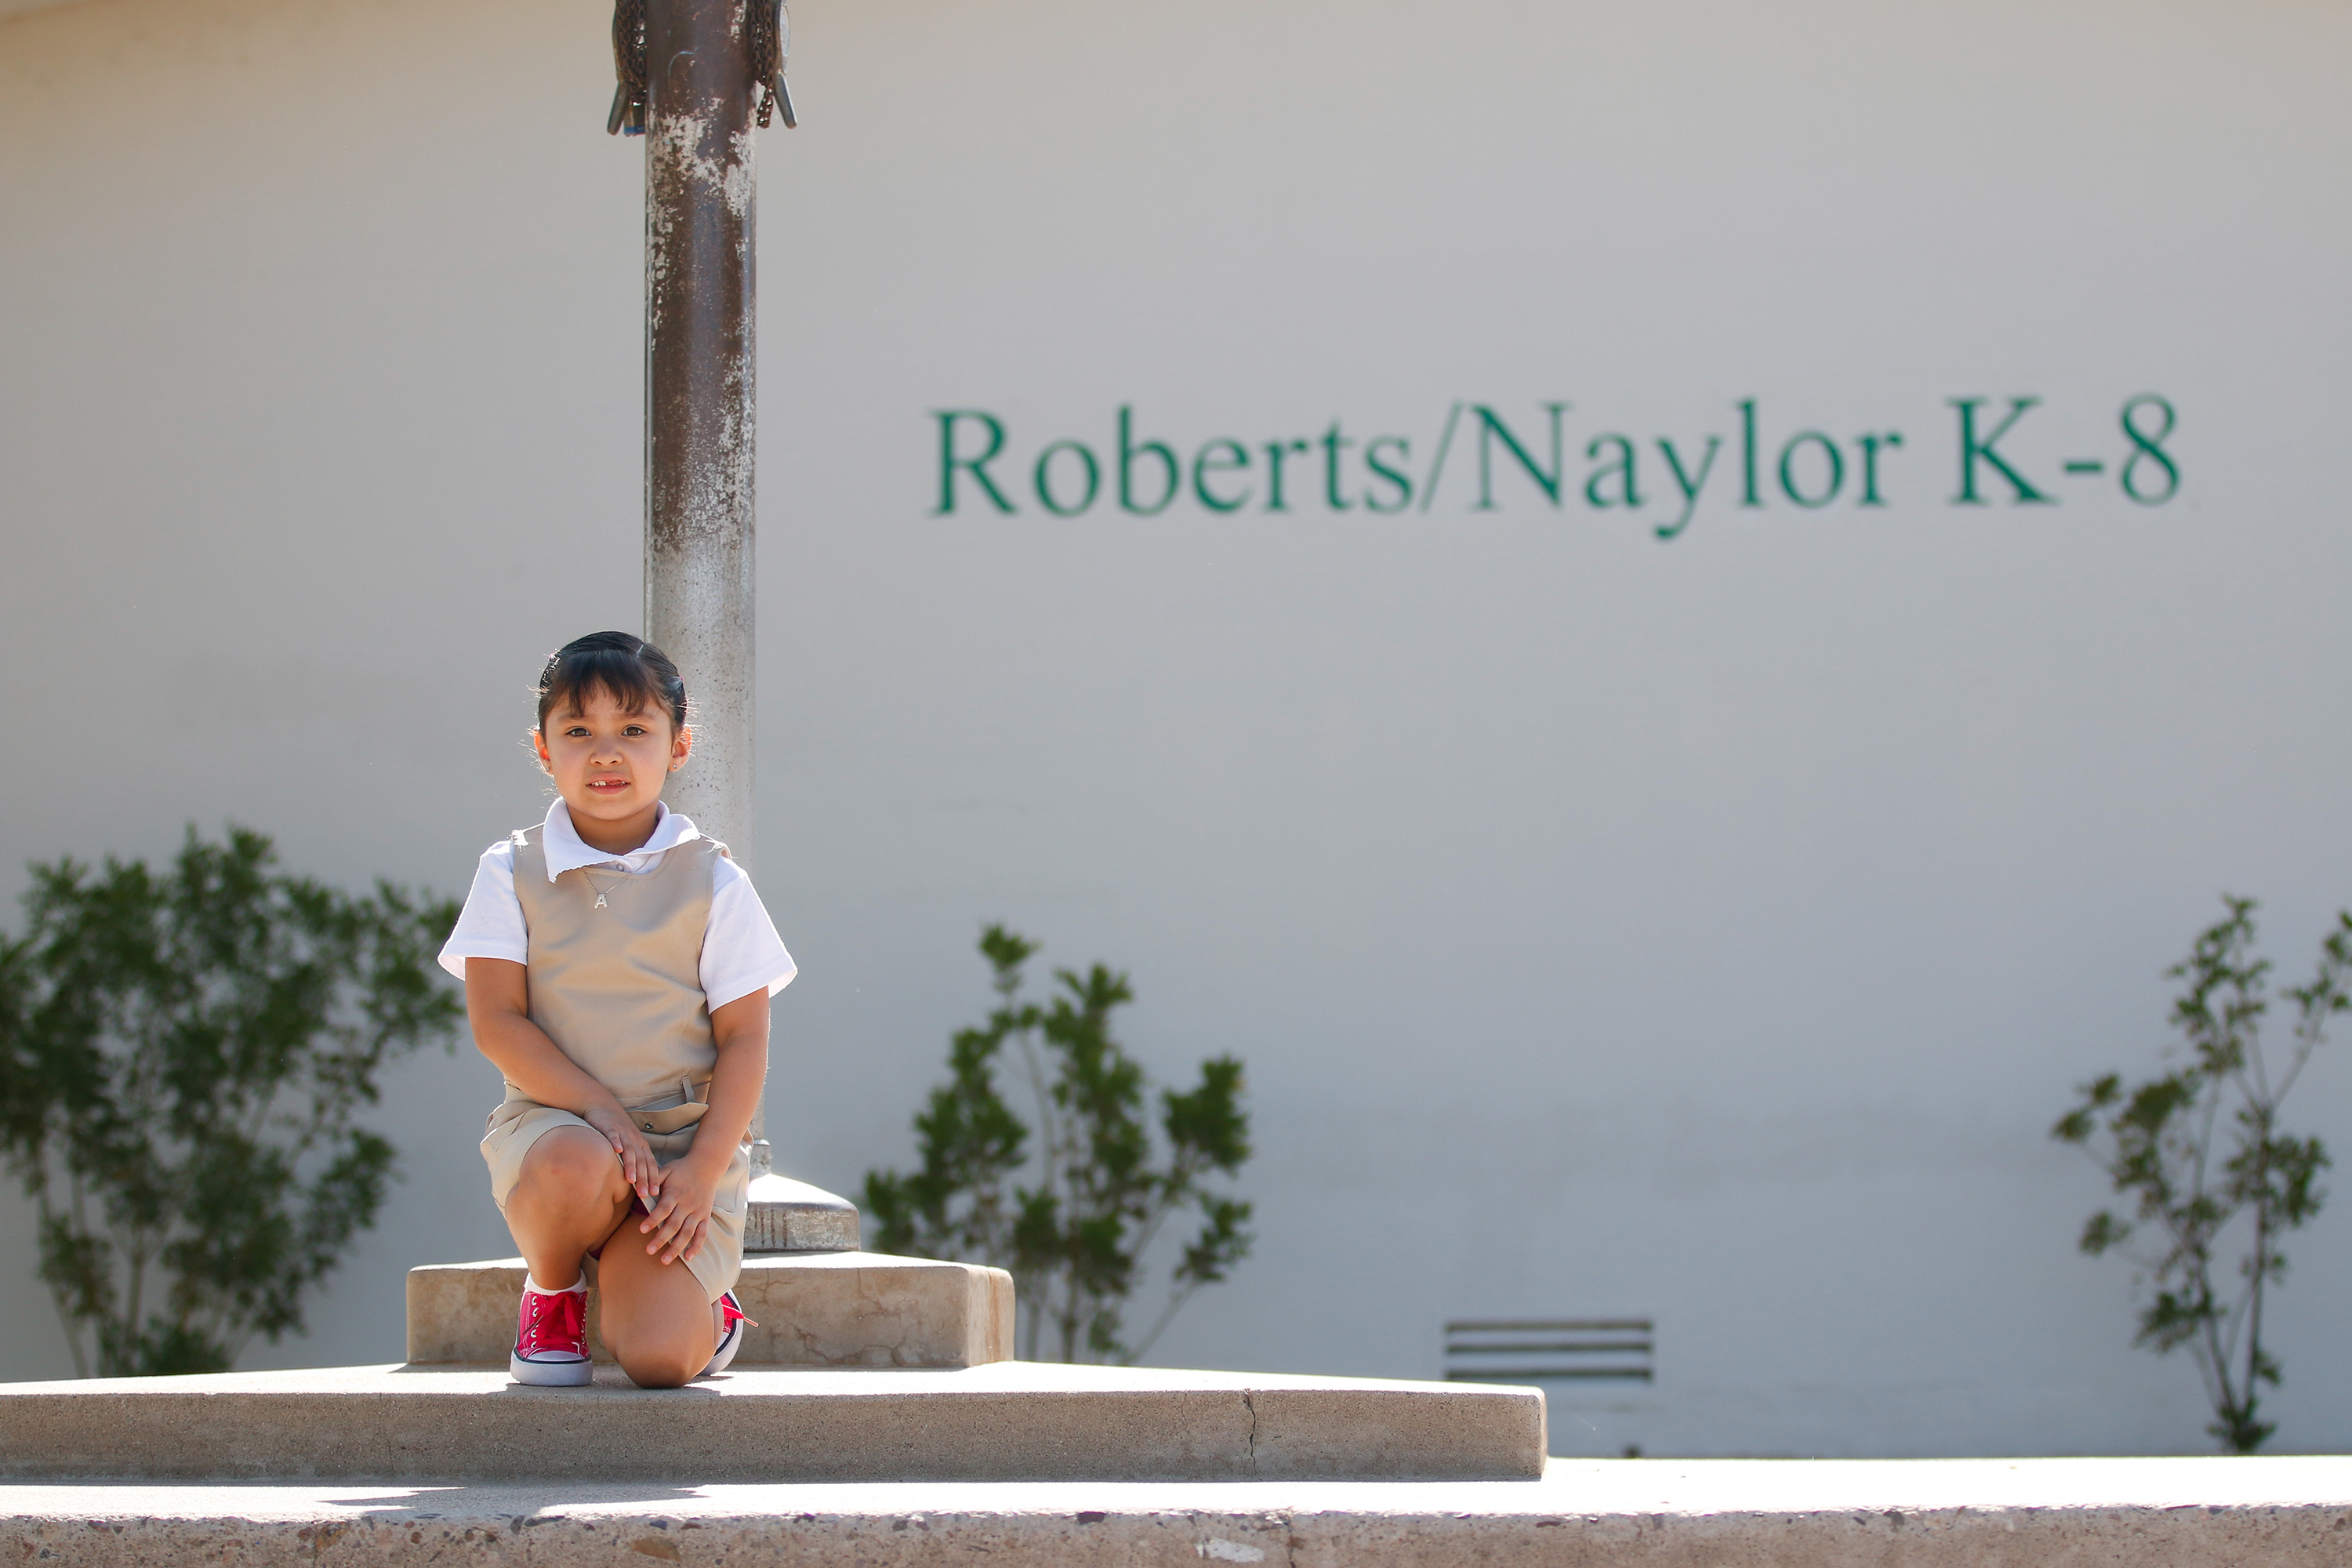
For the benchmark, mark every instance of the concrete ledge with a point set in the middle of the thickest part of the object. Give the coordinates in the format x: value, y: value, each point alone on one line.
x: 1006, y: 1421
x: 814, y: 1308
x: 2034, y: 1513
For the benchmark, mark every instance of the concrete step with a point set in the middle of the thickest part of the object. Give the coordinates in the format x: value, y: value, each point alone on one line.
x: 813, y: 1309
x: 1003, y: 1421
x: 1949, y: 1513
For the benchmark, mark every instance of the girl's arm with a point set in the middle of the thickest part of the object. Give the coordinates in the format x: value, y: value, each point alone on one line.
x: 498, y: 1006
x: 681, y: 1217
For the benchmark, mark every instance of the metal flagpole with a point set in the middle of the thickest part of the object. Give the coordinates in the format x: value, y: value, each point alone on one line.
x: 695, y: 75
x: 700, y: 390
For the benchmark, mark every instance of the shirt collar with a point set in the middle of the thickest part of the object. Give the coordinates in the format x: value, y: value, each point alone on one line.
x: 565, y: 850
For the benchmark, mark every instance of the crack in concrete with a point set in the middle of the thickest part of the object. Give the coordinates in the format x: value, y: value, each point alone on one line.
x: 1250, y: 1406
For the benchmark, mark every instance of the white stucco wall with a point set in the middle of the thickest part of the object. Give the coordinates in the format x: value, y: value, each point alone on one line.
x: 1706, y: 929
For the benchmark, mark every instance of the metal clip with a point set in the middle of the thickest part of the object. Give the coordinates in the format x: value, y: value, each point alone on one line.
x: 628, y: 116
x: 771, y: 46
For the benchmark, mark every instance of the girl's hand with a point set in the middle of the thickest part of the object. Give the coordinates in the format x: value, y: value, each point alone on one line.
x: 638, y: 1166
x: 680, y: 1220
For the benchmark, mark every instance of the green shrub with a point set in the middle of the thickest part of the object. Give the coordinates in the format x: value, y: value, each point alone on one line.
x: 1074, y: 1238
x: 180, y: 1054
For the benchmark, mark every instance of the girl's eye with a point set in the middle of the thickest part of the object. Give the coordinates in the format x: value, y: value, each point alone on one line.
x: 634, y: 730
x: 577, y: 733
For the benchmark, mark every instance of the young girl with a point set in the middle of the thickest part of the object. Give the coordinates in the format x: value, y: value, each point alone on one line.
x: 617, y: 968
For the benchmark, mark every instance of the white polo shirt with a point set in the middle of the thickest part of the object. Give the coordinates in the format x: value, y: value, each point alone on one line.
x: 740, y: 950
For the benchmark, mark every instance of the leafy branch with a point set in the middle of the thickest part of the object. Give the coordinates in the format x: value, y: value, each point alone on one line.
x: 2197, y: 1148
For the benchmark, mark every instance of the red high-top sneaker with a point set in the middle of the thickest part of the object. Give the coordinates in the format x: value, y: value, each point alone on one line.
x: 731, y: 1337
x: 551, y: 1340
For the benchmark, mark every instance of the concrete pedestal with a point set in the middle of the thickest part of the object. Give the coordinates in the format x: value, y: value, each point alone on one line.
x: 786, y: 1215
x: 814, y: 1299
x: 814, y: 1308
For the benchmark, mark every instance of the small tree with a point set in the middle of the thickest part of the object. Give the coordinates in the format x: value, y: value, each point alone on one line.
x: 1076, y: 1237
x: 2190, y: 1175
x: 179, y: 1058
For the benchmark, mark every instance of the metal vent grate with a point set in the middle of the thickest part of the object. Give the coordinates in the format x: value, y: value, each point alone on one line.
x: 1488, y: 1349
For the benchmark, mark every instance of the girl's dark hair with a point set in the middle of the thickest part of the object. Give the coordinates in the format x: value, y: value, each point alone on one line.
x: 630, y: 671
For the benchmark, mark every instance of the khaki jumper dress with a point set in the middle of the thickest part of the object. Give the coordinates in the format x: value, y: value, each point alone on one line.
x: 615, y: 980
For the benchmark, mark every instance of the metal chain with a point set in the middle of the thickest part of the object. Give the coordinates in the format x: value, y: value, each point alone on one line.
x: 629, y: 67
x: 771, y: 43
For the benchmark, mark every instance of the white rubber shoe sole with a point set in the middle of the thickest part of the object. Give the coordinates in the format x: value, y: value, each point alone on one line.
x: 551, y: 1373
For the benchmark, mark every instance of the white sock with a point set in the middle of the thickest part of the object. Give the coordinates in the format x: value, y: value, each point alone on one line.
x: 578, y: 1287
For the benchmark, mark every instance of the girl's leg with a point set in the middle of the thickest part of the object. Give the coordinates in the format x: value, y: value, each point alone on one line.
x: 654, y: 1316
x: 567, y: 1199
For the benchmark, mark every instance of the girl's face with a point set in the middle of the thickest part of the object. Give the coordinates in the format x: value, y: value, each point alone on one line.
x: 609, y: 764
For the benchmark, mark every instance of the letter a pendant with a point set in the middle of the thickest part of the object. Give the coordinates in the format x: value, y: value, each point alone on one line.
x: 600, y: 900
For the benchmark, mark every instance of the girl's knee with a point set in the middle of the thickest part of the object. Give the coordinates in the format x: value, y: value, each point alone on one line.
x: 659, y: 1338
x: 571, y: 1166
x: 661, y: 1367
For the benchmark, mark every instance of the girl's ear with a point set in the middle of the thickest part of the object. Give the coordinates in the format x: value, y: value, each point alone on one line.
x: 538, y: 744
x: 682, y: 745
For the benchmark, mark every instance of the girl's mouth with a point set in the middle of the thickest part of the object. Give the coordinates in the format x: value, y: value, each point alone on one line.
x: 607, y: 786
